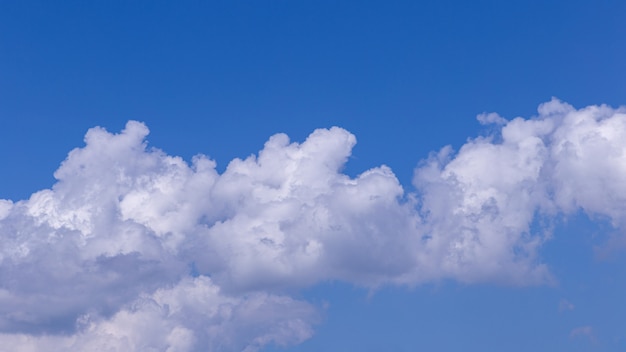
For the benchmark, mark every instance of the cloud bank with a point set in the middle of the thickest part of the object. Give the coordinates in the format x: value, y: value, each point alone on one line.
x: 136, y: 250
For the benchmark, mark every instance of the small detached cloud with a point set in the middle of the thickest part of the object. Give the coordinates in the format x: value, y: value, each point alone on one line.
x: 491, y: 118
x: 136, y: 250
x: 565, y: 305
x: 585, y: 332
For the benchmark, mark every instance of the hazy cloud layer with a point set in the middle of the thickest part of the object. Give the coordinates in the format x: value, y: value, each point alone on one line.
x: 136, y: 250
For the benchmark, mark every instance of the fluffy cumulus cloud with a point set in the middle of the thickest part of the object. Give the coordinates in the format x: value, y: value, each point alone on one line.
x: 191, y: 315
x: 136, y: 250
x: 481, y: 203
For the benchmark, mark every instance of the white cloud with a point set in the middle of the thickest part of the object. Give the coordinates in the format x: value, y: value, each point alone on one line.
x: 490, y: 118
x: 479, y: 205
x: 192, y: 315
x: 111, y: 248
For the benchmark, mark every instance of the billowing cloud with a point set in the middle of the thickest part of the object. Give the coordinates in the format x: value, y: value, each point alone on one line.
x: 481, y: 204
x: 190, y: 315
x: 134, y: 249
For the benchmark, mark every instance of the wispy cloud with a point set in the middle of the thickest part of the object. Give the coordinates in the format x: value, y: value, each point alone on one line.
x: 134, y: 249
x: 565, y: 305
x: 583, y: 332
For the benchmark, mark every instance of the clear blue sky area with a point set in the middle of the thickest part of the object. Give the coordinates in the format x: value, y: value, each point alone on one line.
x: 405, y: 77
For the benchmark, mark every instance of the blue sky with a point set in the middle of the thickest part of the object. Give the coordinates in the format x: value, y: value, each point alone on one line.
x: 405, y: 78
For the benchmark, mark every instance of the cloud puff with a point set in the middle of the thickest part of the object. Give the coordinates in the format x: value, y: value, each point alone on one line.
x: 191, y: 315
x: 481, y: 204
x: 490, y: 118
x: 134, y: 249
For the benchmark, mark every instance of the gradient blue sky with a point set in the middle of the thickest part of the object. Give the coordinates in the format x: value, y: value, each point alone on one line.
x: 405, y: 77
